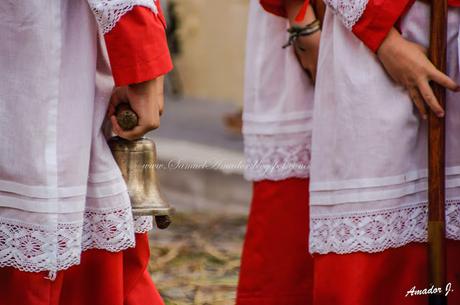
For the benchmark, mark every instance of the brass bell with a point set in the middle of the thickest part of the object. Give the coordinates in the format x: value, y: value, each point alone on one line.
x: 137, y: 161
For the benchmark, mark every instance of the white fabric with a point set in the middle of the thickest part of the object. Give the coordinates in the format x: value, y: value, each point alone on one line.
x: 369, y: 158
x: 278, y: 102
x: 349, y: 11
x: 374, y: 231
x: 108, y: 12
x: 61, y: 191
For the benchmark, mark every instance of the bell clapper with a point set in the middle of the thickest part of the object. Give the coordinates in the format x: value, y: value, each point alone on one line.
x: 163, y: 221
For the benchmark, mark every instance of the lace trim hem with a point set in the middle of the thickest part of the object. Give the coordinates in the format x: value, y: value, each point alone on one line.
x: 34, y: 248
x: 109, y: 12
x: 378, y: 231
x: 349, y: 11
x: 275, y: 157
x: 143, y: 224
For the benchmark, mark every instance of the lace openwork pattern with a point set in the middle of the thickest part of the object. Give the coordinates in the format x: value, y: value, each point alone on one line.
x: 109, y: 12
x: 377, y: 231
x: 268, y: 158
x: 143, y: 224
x: 38, y: 248
x: 349, y: 11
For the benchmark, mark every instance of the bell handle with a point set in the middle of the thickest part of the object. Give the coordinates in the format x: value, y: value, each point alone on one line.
x: 126, y: 117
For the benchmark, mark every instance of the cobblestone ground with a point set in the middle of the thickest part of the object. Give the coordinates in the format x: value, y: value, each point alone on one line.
x: 196, y: 260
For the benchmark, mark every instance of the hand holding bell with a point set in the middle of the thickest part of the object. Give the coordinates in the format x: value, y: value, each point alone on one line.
x: 136, y: 160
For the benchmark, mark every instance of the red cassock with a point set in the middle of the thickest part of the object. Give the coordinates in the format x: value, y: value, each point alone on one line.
x: 276, y: 268
x: 138, y: 52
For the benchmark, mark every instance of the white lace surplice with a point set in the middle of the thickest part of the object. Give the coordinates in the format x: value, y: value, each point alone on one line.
x: 369, y: 157
x: 108, y: 12
x: 277, y: 103
x: 60, y: 189
x: 348, y: 11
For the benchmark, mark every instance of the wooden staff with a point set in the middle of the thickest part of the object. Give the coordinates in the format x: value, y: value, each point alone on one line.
x: 436, y: 157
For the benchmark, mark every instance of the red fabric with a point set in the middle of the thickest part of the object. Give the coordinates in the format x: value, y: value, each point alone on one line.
x: 377, y: 20
x: 303, y: 11
x: 276, y: 268
x: 137, y: 47
x: 102, y: 278
x: 379, y: 17
x: 380, y: 278
x: 275, y: 7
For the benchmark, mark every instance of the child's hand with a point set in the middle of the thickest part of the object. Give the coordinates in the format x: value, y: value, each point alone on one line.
x: 407, y: 64
x: 147, y: 101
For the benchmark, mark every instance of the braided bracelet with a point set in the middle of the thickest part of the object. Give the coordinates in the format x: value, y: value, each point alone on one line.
x: 296, y: 31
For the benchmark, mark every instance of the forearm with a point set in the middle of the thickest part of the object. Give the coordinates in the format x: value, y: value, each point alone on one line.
x: 306, y: 42
x: 293, y: 7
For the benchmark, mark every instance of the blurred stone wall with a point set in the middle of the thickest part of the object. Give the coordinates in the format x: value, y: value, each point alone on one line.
x: 212, y: 37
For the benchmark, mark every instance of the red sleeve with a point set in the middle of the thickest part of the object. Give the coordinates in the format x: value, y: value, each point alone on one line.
x: 377, y: 20
x: 137, y: 47
x: 275, y: 7
x: 278, y: 7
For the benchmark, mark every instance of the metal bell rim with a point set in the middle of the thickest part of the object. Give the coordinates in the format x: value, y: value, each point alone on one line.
x: 139, y: 145
x: 148, y: 211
